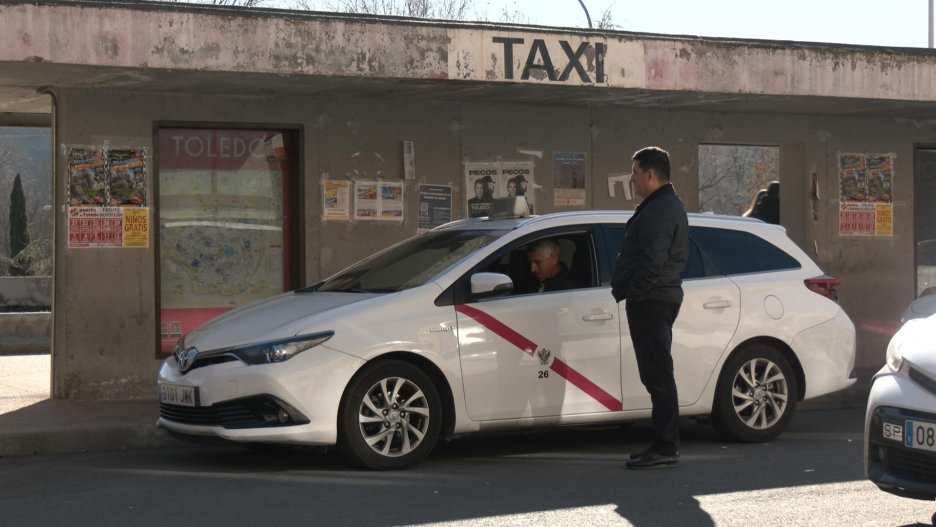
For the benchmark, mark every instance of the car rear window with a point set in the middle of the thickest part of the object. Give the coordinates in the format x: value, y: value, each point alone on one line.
x: 740, y: 252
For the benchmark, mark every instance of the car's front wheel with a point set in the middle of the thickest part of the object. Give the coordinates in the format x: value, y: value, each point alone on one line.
x: 756, y: 395
x: 390, y: 416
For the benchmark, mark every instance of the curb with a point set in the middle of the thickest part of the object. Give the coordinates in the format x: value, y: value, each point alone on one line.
x: 83, y: 440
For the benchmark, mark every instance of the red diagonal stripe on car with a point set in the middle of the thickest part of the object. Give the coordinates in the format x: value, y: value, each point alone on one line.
x: 499, y: 328
x: 529, y: 347
x: 582, y: 383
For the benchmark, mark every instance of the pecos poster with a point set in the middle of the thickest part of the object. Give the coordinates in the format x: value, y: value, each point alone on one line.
x: 866, y: 204
x: 486, y: 181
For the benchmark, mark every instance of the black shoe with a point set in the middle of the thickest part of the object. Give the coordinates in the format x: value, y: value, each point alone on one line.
x: 653, y: 460
x: 639, y: 455
x: 649, y: 450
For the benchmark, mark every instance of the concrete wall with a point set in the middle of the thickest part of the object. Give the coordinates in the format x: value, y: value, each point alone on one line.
x: 106, y: 336
x: 152, y: 40
x: 25, y: 292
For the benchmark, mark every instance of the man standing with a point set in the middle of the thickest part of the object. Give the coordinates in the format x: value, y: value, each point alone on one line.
x: 647, y: 274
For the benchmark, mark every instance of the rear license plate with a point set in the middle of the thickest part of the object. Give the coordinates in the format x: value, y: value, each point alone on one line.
x: 177, y: 395
x: 920, y: 435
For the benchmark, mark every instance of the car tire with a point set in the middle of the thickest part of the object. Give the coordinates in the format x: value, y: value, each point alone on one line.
x: 381, y: 436
x: 752, y: 409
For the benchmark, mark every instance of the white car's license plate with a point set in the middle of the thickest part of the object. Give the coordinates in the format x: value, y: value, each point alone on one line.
x: 178, y: 395
x: 920, y: 434
x: 894, y: 432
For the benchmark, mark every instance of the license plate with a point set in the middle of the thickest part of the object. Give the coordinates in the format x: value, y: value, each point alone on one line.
x: 177, y: 395
x: 920, y: 434
x: 893, y: 432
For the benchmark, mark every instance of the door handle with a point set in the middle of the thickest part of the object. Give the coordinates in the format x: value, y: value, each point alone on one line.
x: 718, y: 304
x: 598, y: 317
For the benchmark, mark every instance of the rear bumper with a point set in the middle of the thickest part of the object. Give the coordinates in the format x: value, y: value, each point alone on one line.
x: 827, y: 354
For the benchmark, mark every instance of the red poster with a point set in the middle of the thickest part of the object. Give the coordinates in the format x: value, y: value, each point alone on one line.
x: 224, y: 229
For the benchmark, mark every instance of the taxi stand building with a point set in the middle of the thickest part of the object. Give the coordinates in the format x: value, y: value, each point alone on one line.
x: 244, y: 115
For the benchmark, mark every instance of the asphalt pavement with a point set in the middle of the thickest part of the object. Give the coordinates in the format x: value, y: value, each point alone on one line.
x: 812, y: 475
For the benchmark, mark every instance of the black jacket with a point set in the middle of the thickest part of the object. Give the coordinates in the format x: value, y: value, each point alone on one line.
x: 563, y: 281
x: 654, y: 250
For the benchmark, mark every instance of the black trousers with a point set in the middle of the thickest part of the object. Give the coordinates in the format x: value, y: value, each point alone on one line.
x: 651, y: 330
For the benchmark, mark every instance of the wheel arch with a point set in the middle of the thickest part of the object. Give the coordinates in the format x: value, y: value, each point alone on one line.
x: 784, y: 349
x: 435, y: 375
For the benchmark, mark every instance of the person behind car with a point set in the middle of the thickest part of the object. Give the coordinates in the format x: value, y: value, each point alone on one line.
x: 767, y: 207
x: 553, y: 275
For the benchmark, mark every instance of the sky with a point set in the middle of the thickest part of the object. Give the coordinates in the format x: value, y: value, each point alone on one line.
x: 897, y: 23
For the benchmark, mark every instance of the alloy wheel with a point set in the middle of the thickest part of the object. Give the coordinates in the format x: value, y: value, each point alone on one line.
x: 759, y: 394
x: 394, y: 417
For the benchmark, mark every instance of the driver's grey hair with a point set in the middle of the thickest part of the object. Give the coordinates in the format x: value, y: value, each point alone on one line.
x: 545, y: 247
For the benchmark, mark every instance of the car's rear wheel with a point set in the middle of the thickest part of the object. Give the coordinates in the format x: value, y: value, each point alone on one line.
x: 390, y: 416
x: 756, y: 395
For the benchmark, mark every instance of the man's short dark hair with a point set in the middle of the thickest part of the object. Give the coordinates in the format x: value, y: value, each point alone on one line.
x: 656, y: 159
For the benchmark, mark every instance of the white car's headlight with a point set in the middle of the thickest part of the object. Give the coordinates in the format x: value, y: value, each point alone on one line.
x: 894, y: 359
x: 280, y: 350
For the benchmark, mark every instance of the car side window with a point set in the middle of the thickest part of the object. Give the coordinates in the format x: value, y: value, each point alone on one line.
x: 740, y: 252
x: 553, y: 263
x: 694, y: 268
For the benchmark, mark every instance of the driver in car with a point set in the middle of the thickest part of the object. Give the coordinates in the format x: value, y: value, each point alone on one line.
x: 553, y: 275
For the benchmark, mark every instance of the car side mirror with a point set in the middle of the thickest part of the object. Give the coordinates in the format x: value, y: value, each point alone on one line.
x: 490, y: 285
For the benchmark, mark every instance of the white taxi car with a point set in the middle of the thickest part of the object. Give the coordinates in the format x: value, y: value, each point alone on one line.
x: 900, y: 425
x: 448, y: 333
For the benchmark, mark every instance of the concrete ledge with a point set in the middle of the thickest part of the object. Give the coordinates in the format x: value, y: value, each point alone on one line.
x: 83, y: 440
x: 25, y: 333
x: 25, y: 291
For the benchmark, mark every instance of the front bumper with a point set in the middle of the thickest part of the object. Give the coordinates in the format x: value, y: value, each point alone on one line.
x: 239, y: 402
x: 891, y: 465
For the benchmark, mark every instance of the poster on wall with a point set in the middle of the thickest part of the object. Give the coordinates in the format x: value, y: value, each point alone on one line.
x: 336, y: 197
x: 481, y: 184
x: 391, y: 201
x: 435, y: 207
x: 108, y: 227
x: 409, y: 160
x: 365, y: 200
x: 866, y: 206
x: 226, y: 225
x: 569, y: 173
x: 516, y: 179
x: 486, y: 181
x: 127, y: 177
x: 87, y: 177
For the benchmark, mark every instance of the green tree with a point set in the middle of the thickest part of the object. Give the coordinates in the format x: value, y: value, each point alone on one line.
x: 19, y: 232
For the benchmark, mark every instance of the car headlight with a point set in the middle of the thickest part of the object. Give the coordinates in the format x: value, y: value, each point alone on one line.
x: 894, y: 359
x: 280, y: 350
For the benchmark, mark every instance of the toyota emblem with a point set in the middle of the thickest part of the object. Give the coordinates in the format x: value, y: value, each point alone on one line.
x: 186, y: 358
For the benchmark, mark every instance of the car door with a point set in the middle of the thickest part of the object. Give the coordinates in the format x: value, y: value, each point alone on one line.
x: 537, y: 354
x: 707, y: 321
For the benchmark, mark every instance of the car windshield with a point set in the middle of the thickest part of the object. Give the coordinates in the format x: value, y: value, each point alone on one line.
x: 412, y: 263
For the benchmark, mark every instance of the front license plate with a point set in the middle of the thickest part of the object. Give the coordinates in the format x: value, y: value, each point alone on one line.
x: 178, y: 395
x: 920, y: 434
x: 893, y: 432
